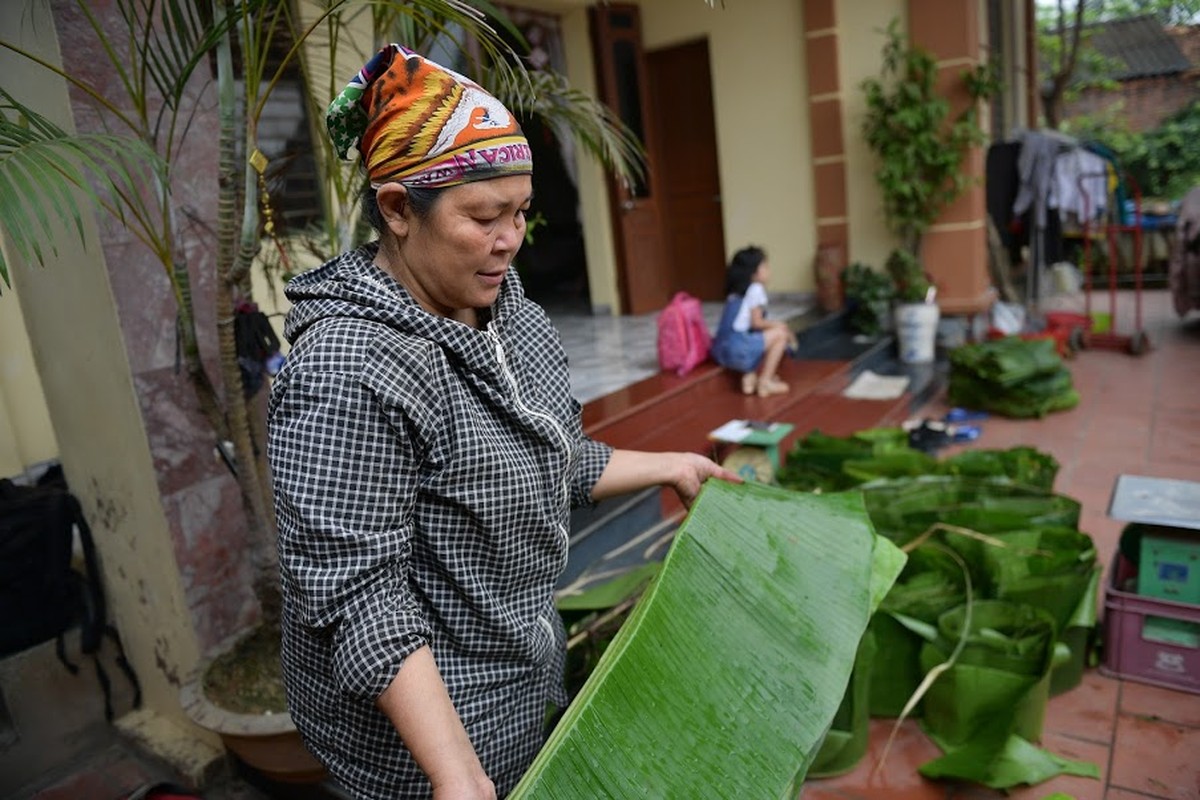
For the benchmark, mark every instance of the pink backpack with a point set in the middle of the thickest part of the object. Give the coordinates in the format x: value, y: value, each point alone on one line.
x: 683, y: 337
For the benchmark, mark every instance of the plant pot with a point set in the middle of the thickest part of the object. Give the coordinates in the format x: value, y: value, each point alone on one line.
x: 916, y: 331
x: 266, y: 742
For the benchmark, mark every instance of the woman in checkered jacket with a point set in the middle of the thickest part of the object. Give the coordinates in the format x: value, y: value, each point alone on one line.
x: 426, y: 452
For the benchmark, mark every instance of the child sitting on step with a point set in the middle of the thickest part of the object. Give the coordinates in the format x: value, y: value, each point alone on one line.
x: 746, y: 340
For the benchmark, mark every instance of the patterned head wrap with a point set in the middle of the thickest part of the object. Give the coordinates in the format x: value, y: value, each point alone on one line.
x: 421, y: 124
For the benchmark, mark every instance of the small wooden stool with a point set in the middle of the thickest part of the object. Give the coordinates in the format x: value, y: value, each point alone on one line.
x: 745, y: 433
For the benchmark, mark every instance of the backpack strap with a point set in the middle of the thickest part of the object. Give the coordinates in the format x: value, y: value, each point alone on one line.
x: 94, y: 626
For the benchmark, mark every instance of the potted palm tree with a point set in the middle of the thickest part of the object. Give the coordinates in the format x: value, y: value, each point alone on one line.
x: 919, y: 149
x: 177, y: 38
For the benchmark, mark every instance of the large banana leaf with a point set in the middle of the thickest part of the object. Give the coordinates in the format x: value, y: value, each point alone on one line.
x: 726, y: 677
x: 849, y: 734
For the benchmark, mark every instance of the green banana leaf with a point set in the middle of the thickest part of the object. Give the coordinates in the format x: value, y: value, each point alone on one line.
x: 1036, y: 397
x: 1047, y: 567
x: 833, y: 463
x: 903, y: 508
x: 985, y: 709
x: 818, y: 461
x: 1079, y: 636
x: 1005, y: 362
x: 898, y: 464
x: 931, y: 584
x: 1052, y: 568
x: 849, y: 734
x: 1024, y: 465
x: 725, y: 678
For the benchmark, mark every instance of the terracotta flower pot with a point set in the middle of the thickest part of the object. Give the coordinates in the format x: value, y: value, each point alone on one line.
x: 268, y: 743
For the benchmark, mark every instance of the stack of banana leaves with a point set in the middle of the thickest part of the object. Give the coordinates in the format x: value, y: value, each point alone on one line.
x: 1012, y: 376
x: 823, y: 463
x: 993, y: 613
x: 726, y: 676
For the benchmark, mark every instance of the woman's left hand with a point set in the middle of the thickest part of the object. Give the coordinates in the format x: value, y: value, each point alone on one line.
x: 691, y: 470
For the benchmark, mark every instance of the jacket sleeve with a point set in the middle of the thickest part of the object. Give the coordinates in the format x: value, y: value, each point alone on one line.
x: 345, y: 488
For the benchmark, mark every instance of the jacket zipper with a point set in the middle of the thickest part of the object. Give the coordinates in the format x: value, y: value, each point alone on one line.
x: 533, y: 412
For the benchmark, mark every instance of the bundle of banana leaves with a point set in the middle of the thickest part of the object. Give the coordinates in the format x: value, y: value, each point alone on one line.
x: 819, y: 462
x: 986, y: 709
x: 1012, y: 376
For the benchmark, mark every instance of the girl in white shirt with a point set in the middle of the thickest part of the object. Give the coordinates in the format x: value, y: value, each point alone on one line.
x: 746, y: 340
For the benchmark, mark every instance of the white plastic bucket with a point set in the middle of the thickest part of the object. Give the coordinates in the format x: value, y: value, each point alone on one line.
x: 916, y: 331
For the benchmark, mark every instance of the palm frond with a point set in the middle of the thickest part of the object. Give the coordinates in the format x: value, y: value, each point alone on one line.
x: 43, y: 169
x: 574, y: 113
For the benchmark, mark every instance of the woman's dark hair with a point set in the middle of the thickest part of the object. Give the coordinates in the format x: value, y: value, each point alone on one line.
x: 742, y: 267
x: 420, y: 200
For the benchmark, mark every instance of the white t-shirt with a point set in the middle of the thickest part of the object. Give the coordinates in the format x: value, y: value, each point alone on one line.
x: 756, y: 295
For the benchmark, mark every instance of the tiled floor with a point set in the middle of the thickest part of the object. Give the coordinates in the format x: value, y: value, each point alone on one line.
x: 607, y: 353
x: 1137, y: 415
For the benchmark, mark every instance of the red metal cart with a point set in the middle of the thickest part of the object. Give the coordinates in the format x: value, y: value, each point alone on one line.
x: 1109, y: 226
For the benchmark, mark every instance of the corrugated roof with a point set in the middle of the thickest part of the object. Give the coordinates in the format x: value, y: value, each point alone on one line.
x: 1141, y: 46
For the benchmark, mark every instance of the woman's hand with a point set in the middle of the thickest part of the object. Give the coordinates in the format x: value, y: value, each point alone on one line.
x: 634, y: 470
x: 691, y: 471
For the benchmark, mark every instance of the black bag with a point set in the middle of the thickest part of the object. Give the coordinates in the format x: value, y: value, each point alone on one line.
x: 41, y: 595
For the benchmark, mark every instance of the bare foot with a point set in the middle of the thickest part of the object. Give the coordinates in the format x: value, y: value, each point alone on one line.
x: 770, y: 386
x: 749, y: 382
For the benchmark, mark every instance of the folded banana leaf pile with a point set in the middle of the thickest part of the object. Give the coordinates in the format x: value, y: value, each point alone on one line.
x: 985, y: 711
x: 729, y: 672
x: 1012, y: 376
x: 819, y: 462
x: 1034, y: 581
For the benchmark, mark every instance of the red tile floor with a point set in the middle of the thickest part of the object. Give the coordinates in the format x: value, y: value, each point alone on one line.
x: 1137, y: 415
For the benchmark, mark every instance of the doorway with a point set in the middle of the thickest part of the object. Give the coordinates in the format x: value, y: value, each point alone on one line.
x: 668, y: 227
x: 690, y: 199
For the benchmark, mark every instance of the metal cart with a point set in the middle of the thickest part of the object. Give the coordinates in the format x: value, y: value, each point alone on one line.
x: 1108, y: 227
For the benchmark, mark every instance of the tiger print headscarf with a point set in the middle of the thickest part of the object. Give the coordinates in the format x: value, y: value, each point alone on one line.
x: 418, y: 123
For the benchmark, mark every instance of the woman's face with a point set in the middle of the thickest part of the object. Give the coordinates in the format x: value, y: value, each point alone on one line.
x: 456, y: 257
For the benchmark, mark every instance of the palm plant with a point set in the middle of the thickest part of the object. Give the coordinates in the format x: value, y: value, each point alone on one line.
x: 156, y: 55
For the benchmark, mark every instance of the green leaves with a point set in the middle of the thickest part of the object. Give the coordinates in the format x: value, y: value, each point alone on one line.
x: 726, y: 677
x: 573, y: 113
x: 44, y: 170
x: 919, y: 146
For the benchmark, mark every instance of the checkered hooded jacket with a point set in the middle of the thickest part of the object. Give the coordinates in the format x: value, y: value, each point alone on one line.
x: 424, y: 472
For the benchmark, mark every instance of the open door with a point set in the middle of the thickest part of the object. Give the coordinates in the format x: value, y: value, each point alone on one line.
x: 643, y: 276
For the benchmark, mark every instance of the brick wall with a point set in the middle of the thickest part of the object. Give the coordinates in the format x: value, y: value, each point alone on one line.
x: 1187, y: 37
x: 1146, y: 102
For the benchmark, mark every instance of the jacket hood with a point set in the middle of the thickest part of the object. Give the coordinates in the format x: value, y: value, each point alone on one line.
x: 352, y: 286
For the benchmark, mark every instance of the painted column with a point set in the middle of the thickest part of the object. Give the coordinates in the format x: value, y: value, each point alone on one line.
x: 954, y: 250
x: 825, y: 122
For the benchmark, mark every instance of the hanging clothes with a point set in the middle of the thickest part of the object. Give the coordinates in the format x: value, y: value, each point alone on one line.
x: 1080, y: 189
x: 1184, y: 271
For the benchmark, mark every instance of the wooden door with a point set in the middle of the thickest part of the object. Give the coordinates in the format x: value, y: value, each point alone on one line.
x: 690, y: 197
x: 643, y: 276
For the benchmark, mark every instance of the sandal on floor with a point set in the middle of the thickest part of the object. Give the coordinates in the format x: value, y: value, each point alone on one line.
x: 749, y: 382
x: 770, y: 386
